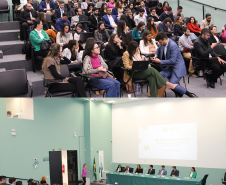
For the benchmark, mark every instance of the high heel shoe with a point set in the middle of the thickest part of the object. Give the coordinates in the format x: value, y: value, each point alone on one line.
x: 191, y: 95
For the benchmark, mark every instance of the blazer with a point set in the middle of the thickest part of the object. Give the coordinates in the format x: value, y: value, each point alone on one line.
x: 67, y: 53
x: 152, y: 171
x: 178, y: 30
x: 146, y: 8
x: 213, y: 40
x: 107, y: 22
x: 164, y: 29
x: 98, y: 37
x: 114, y: 12
x: 33, y: 5
x: 36, y: 40
x: 24, y: 15
x: 42, y: 6
x: 164, y: 172
x: 139, y: 170
x: 72, y: 12
x: 57, y: 13
x: 129, y: 22
x: 194, y: 27
x: 130, y: 170
x: 176, y: 173
x: 93, y: 21
x: 205, y: 24
x: 145, y: 49
x: 193, y: 175
x: 173, y: 56
x: 135, y: 34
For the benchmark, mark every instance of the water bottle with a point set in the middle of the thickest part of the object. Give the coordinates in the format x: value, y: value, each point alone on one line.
x: 138, y: 90
x: 200, y: 73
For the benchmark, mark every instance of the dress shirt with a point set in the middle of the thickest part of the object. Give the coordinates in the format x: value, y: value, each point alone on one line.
x: 48, y: 6
x: 40, y: 34
x: 112, y: 22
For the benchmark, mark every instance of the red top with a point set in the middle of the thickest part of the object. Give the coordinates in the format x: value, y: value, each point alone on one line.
x: 194, y: 27
x: 164, y: 9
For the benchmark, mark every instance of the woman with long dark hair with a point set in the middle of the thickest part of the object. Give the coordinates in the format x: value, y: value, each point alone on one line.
x: 114, y: 48
x: 51, y: 69
x: 36, y: 37
x: 122, y: 29
x: 157, y: 83
x: 127, y: 39
x: 124, y: 3
x: 138, y: 31
x: 64, y: 35
x: 118, y: 10
x: 178, y: 26
x: 72, y: 52
x: 151, y: 27
x: 193, y: 173
x: 79, y: 29
x: 103, y: 9
x: 111, y: 4
x: 193, y: 26
x: 138, y: 169
x: 93, y: 63
x: 131, y: 7
x: 101, y: 35
x: 90, y: 7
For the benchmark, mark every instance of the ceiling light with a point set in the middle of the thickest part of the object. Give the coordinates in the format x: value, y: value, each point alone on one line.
x: 111, y: 101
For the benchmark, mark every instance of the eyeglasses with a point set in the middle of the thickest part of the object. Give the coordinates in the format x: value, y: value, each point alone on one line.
x: 97, y: 48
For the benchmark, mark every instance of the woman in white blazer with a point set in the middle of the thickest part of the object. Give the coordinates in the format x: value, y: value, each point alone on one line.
x: 147, y: 44
x: 72, y: 53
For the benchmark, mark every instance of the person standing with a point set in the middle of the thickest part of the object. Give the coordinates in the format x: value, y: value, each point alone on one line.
x: 84, y: 174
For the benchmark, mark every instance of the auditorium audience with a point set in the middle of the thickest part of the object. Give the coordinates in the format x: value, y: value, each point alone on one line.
x: 64, y: 35
x: 174, y: 172
x: 79, y: 29
x: 61, y: 21
x: 206, y: 23
x: 75, y: 20
x: 151, y: 171
x: 89, y: 9
x: 214, y: 37
x: 178, y: 26
x: 138, y: 31
x: 185, y: 45
x: 122, y: 29
x: 114, y: 48
x: 204, y: 49
x: 72, y: 12
x: 165, y: 5
x: 85, y: 4
x: 110, y: 21
x: 138, y: 169
x: 193, y: 173
x: 179, y: 13
x: 127, y: 39
x: 27, y: 17
x: 151, y: 27
x: 124, y: 3
x: 101, y: 35
x: 159, y: 9
x: 128, y: 18
x: 147, y: 44
x: 167, y: 14
x: 119, y: 168
x: 193, y: 26
x: 51, y: 69
x: 142, y: 6
x: 111, y: 4
x: 93, y: 63
x: 60, y: 11
x: 72, y: 52
x: 12, y: 181
x: 94, y: 19
x: 162, y: 171
x: 140, y: 17
x: 153, y: 15
x: 33, y: 5
x: 47, y: 6
x: 131, y: 7
x: 103, y: 9
x: 167, y: 28
x: 117, y: 10
x: 36, y: 37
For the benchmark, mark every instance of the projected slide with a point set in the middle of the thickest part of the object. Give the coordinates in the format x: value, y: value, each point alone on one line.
x: 173, y: 141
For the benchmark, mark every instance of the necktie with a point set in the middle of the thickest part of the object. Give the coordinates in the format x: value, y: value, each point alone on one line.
x: 62, y: 13
x: 109, y: 17
x: 163, y: 55
x: 30, y: 16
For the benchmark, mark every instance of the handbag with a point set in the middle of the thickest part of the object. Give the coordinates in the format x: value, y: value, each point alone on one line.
x: 45, y: 44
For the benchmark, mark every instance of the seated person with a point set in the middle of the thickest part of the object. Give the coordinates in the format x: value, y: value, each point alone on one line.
x: 119, y: 168
x: 49, y: 29
x: 118, y: 10
x: 63, y: 36
x: 165, y: 6
x: 140, y: 17
x: 124, y: 4
x: 193, y: 173
x: 75, y: 20
x: 147, y: 44
x: 151, y: 171
x: 110, y: 21
x: 33, y: 6
x: 27, y: 17
x: 101, y: 35
x: 131, y: 7
x: 89, y: 9
x: 193, y: 26
x: 179, y: 13
x: 127, y: 39
x: 171, y: 55
x: 138, y: 31
x: 167, y: 14
x: 94, y: 19
x: 61, y: 21
x: 60, y: 11
x: 51, y: 69
x: 185, y: 45
x: 159, y: 9
x: 214, y: 37
x: 151, y: 27
x: 79, y: 29
x: 71, y: 52
x: 122, y: 29
x: 162, y: 171
x: 157, y: 83
x: 12, y: 180
x: 206, y: 23
x: 153, y: 15
x: 146, y: 11
x: 111, y: 4
x: 36, y: 38
x: 3, y: 178
x: 103, y: 9
x: 114, y: 48
x: 47, y: 6
x: 72, y: 12
x: 71, y: 4
x: 204, y: 49
x: 85, y: 4
x: 138, y: 169
x: 166, y: 27
x: 174, y: 172
x: 128, y: 18
x: 93, y: 63
x: 128, y: 169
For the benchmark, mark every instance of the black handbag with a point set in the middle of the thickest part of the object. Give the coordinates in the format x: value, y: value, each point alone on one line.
x: 45, y: 44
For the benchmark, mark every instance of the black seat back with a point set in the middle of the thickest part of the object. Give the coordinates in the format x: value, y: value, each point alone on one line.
x: 37, y: 3
x: 220, y: 50
x: 204, y: 179
x: 65, y: 71
x: 3, y: 5
x: 13, y: 83
x: 123, y: 169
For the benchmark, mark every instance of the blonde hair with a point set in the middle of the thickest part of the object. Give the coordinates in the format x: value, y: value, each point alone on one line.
x: 54, y: 50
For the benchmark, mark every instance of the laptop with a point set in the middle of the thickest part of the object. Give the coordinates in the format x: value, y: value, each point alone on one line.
x: 84, y: 36
x: 99, y: 4
x: 83, y: 18
x: 140, y: 65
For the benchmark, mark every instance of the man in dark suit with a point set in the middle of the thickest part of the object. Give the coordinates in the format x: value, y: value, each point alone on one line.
x: 175, y: 172
x: 110, y: 21
x: 142, y: 5
x: 72, y: 12
x: 94, y: 19
x: 151, y: 170
x: 27, y: 17
x: 129, y: 19
x: 34, y: 6
x: 57, y: 3
x: 203, y: 49
x: 128, y: 169
x: 60, y: 11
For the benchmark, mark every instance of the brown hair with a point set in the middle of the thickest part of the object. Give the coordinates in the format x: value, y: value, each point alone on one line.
x: 149, y: 25
x: 177, y: 22
x: 140, y: 24
x: 167, y: 20
x: 62, y: 29
x: 42, y: 17
x: 111, y: 42
x: 144, y: 37
x: 98, y: 27
x: 117, y: 5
